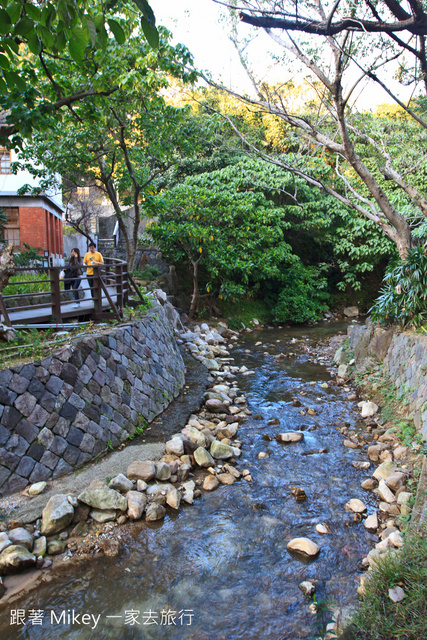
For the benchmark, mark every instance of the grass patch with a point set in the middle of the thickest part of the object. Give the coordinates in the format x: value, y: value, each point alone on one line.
x: 378, y: 618
x: 244, y: 311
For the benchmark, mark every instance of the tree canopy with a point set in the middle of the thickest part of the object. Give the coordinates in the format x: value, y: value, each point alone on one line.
x: 36, y: 38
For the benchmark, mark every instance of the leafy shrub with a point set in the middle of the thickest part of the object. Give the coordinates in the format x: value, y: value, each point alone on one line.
x: 23, y: 284
x: 303, y: 296
x: 29, y: 257
x: 403, y: 299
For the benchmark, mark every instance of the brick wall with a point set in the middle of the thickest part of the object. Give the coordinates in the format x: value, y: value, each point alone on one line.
x: 61, y: 412
x: 40, y: 228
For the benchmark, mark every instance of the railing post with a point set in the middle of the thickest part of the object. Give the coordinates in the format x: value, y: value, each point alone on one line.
x: 97, y: 293
x: 55, y: 292
x: 119, y: 285
x: 125, y: 284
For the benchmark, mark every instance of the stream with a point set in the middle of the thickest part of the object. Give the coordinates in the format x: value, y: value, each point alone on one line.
x: 220, y: 570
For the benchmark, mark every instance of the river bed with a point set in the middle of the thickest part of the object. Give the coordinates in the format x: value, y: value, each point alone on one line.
x: 220, y: 570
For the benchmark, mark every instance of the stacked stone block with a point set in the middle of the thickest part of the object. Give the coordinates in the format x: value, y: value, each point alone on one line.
x: 67, y: 409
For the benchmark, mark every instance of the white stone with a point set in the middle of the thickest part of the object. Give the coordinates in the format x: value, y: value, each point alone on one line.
x: 371, y: 522
x: 322, y: 528
x: 290, y: 437
x: 396, y: 539
x: 37, y: 488
x: 175, y: 447
x: 355, y: 505
x: 404, y: 497
x: 384, y: 470
x: 303, y: 546
x: 307, y: 588
x: 385, y: 493
x: 396, y: 594
x: 369, y: 409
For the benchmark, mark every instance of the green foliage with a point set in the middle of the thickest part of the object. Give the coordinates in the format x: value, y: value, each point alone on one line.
x: 28, y: 344
x: 303, y: 297
x: 244, y: 312
x: 403, y: 299
x: 30, y: 256
x: 147, y: 273
x: 377, y: 616
x: 47, y: 32
x: 23, y: 284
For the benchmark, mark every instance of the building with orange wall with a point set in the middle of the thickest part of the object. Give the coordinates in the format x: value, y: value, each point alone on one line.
x: 34, y: 220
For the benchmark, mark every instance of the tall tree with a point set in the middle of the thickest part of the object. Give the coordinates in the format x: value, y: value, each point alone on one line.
x: 122, y: 141
x: 330, y: 64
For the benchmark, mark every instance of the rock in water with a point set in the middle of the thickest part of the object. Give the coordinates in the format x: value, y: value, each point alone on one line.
x: 210, y: 483
x: 371, y: 522
x: 290, y: 437
x: 15, y: 559
x: 57, y: 514
x: 299, y: 494
x: 136, y: 504
x: 304, y: 547
x: 221, y: 451
x: 173, y: 498
x: 154, y: 512
x: 307, y: 588
x: 355, y: 505
x: 103, y: 498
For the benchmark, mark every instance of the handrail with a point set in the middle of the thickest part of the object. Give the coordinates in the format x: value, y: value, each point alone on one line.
x: 111, y: 286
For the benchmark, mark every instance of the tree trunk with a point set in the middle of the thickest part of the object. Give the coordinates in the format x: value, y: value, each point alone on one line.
x: 7, y: 266
x: 195, y: 296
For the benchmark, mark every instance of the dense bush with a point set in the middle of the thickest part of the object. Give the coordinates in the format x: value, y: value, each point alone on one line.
x: 403, y: 299
x: 303, y: 295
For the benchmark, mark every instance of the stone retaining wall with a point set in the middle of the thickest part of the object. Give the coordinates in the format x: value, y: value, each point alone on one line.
x: 404, y: 356
x: 61, y: 412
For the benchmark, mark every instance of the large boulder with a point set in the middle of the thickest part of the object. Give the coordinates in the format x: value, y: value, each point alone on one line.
x: 57, y: 515
x: 103, y: 498
x: 15, y: 559
x: 141, y: 470
x: 355, y: 505
x: 221, y: 451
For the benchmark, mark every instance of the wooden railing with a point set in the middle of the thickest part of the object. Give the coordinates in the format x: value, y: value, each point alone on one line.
x: 112, y: 284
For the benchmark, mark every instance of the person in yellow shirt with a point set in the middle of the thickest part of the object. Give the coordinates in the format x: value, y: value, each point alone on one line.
x: 92, y: 257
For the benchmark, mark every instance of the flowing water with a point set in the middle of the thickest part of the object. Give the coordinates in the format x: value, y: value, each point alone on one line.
x: 222, y: 565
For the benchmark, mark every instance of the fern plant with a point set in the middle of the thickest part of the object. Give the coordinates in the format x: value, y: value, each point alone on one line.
x: 403, y: 299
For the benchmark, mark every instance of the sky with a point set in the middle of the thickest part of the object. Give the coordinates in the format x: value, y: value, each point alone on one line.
x: 199, y: 24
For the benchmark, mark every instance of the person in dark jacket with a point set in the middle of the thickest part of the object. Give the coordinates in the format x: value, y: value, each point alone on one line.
x: 73, y: 274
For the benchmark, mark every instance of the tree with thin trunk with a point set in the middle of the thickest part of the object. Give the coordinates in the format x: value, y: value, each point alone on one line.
x: 120, y: 143
x: 336, y: 58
